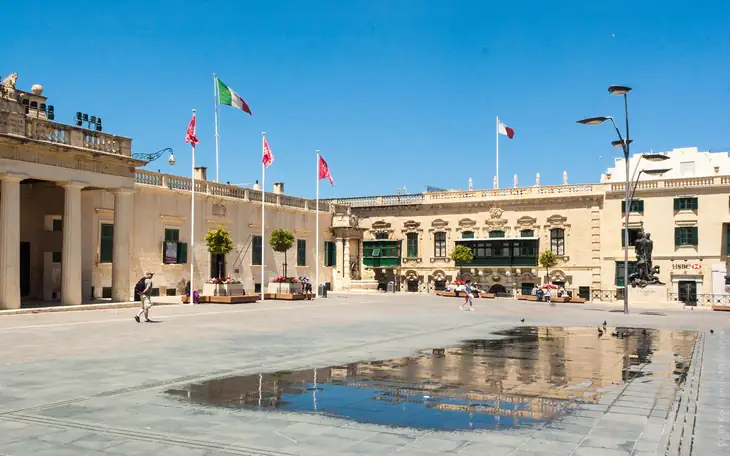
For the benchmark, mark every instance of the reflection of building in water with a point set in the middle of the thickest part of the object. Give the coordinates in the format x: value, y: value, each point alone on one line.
x: 535, y: 373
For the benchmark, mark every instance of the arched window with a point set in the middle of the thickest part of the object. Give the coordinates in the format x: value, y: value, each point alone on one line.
x: 496, y: 234
x: 557, y: 241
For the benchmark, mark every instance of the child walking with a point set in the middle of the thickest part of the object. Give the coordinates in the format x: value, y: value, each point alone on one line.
x: 468, y: 297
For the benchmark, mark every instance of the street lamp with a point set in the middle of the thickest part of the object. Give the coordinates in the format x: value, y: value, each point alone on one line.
x: 624, y: 143
x: 650, y: 172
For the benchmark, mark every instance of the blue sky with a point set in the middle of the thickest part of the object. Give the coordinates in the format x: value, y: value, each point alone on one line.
x: 394, y: 93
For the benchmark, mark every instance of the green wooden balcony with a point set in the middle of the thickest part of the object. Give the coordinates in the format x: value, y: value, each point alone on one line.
x: 382, y: 253
x: 502, y: 252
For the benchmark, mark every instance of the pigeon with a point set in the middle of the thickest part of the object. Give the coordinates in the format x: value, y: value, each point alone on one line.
x: 522, y: 321
x: 604, y: 323
x: 712, y: 331
x: 600, y: 332
x: 643, y: 332
x: 614, y: 334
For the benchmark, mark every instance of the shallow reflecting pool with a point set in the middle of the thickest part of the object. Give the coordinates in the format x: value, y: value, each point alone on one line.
x: 521, y: 377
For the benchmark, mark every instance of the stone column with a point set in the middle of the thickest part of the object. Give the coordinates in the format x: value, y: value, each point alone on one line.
x: 71, y: 255
x: 10, y: 241
x: 123, y: 208
x: 339, y: 250
x: 346, y: 261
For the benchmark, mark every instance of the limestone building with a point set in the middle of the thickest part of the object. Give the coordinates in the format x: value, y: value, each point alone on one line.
x: 407, y: 238
x: 80, y: 221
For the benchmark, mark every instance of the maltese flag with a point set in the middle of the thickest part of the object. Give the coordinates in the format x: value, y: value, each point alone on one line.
x: 505, y: 130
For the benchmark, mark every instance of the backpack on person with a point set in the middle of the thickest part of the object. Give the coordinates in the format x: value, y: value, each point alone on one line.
x: 139, y: 288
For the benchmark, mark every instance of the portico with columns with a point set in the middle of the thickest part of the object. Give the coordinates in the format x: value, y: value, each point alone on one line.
x: 45, y: 168
x: 348, y: 238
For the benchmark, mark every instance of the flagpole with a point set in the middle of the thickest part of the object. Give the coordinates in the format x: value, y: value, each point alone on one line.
x: 263, y: 204
x: 497, y: 132
x: 316, y: 231
x: 215, y: 114
x: 192, y: 225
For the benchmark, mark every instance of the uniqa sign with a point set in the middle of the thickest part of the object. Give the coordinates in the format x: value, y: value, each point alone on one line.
x: 686, y: 266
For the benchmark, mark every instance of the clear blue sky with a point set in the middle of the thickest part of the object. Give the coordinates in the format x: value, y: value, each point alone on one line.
x: 396, y: 92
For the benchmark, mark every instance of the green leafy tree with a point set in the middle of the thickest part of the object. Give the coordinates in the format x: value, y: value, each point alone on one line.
x: 462, y: 255
x: 548, y: 259
x: 281, y: 241
x: 219, y: 243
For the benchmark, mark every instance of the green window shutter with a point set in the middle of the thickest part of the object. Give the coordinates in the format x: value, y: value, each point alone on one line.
x: 694, y: 236
x: 623, y: 237
x: 467, y: 235
x: 623, y: 207
x: 333, y: 252
x: 677, y: 203
x: 106, y: 243
x: 301, y: 252
x: 640, y: 206
x: 163, y: 252
x: 412, y: 245
x: 677, y: 236
x: 256, y: 251
x: 182, y: 253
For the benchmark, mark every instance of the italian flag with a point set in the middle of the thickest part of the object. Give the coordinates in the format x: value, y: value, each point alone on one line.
x: 226, y: 96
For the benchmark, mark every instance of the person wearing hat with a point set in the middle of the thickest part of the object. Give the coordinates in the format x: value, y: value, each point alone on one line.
x: 144, y: 297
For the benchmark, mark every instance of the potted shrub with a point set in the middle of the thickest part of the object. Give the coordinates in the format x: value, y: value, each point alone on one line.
x: 219, y: 244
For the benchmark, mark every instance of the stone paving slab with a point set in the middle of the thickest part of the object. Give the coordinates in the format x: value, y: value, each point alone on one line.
x: 109, y: 377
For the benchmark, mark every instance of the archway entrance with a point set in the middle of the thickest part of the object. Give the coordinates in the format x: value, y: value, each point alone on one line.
x: 497, y: 288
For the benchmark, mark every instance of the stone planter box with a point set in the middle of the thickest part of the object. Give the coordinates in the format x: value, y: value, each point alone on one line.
x: 222, y: 289
x: 284, y: 288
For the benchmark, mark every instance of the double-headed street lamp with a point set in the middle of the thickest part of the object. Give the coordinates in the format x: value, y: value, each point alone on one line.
x: 624, y: 144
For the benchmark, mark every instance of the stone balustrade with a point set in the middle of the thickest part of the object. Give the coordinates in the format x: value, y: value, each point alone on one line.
x: 179, y: 183
x: 454, y: 196
x: 682, y: 182
x: 14, y: 122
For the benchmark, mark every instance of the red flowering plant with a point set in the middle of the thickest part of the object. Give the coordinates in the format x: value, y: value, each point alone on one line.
x: 458, y: 282
x: 223, y: 281
x: 282, y: 279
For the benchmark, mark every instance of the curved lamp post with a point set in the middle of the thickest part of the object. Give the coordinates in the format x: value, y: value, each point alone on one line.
x: 624, y: 143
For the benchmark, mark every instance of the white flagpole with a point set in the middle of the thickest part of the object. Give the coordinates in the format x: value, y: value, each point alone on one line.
x: 263, y: 204
x: 215, y: 113
x: 316, y: 231
x: 497, y: 172
x: 192, y: 224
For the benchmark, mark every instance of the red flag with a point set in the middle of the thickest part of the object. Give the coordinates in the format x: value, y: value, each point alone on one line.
x: 324, y: 171
x: 190, y: 135
x: 268, y: 158
x: 505, y: 130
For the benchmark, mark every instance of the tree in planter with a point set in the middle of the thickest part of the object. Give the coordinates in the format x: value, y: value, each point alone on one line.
x: 281, y: 241
x: 219, y: 243
x: 548, y: 259
x: 462, y: 254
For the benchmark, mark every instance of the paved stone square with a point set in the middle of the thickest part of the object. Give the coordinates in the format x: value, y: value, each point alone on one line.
x: 94, y: 382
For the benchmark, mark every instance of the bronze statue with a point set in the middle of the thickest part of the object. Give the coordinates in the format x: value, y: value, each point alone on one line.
x: 646, y: 272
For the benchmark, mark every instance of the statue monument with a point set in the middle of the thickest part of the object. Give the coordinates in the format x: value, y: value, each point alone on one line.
x: 565, y: 178
x: 646, y: 272
x: 515, y: 180
x: 537, y: 180
x: 495, y: 182
x: 7, y: 87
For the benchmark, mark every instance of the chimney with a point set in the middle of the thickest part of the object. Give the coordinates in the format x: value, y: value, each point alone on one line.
x: 201, y: 173
x: 256, y: 185
x: 278, y: 188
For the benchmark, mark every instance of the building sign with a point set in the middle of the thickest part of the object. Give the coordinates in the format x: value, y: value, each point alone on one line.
x: 696, y: 267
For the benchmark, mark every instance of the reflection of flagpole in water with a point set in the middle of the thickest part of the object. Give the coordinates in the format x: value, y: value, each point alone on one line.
x: 314, y: 390
x: 260, y: 381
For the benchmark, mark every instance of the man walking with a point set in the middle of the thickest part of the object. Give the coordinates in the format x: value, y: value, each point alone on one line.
x: 469, y: 298
x: 144, y: 290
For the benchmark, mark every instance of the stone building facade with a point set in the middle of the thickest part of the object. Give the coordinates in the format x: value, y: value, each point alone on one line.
x: 686, y: 211
x: 79, y: 221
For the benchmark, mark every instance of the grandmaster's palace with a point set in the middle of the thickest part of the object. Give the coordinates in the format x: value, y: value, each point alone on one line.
x: 81, y: 220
